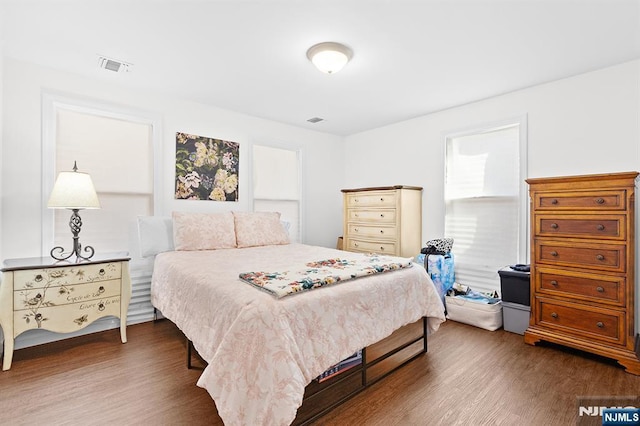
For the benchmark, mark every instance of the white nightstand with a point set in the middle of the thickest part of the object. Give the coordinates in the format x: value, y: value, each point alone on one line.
x: 62, y: 296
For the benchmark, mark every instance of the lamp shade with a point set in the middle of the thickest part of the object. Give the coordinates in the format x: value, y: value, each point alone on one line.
x: 73, y: 190
x: 329, y: 57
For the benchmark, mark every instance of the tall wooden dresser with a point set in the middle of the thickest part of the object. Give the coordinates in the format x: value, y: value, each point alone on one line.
x: 582, y: 265
x: 384, y: 220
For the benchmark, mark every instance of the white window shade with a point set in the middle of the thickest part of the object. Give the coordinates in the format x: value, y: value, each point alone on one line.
x: 276, y: 185
x: 115, y: 152
x: 483, y: 165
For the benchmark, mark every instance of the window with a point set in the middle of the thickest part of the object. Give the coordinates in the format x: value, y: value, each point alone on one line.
x: 276, y: 185
x: 118, y: 155
x: 484, y: 189
x: 120, y: 149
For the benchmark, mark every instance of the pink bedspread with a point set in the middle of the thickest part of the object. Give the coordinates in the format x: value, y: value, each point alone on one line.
x: 263, y: 351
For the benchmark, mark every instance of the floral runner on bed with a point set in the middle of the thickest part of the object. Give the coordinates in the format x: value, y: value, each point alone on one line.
x: 322, y: 273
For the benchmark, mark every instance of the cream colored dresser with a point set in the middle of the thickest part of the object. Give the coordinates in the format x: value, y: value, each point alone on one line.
x: 583, y: 285
x: 383, y: 220
x: 61, y: 296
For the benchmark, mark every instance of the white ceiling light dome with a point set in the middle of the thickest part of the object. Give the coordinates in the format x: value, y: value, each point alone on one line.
x: 329, y: 57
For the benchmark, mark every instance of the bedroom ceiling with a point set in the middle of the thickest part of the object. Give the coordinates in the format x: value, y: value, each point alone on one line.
x: 410, y: 58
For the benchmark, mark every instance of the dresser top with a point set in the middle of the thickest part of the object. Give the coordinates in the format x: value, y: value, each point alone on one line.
x: 383, y: 188
x: 625, y: 177
x: 49, y: 262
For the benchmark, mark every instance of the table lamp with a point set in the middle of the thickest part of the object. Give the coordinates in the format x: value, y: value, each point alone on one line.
x: 74, y: 191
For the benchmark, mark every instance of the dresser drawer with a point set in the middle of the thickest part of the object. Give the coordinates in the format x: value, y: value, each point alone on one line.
x: 584, y: 200
x: 37, y: 298
x: 372, y: 231
x: 68, y: 275
x: 371, y: 215
x: 583, y: 321
x: 372, y: 199
x: 605, y: 257
x: 74, y: 317
x: 607, y: 289
x: 371, y: 247
x: 582, y: 226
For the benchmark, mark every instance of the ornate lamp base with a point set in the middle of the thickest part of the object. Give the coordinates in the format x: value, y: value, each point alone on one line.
x: 75, y: 223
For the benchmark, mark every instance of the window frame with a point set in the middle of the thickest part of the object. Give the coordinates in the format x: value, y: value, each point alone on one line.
x: 523, y: 245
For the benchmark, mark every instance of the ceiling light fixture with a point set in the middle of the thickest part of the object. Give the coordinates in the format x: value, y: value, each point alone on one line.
x: 329, y: 57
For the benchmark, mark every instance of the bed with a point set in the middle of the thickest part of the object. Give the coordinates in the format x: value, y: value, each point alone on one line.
x: 263, y: 352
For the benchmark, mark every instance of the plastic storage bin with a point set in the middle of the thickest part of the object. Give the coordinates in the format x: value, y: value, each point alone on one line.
x: 514, y: 286
x: 515, y: 317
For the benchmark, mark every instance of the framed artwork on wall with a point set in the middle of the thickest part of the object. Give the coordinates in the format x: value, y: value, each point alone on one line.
x: 206, y: 168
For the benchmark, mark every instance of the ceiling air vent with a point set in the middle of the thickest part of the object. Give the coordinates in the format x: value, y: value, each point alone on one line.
x: 315, y: 120
x: 113, y: 64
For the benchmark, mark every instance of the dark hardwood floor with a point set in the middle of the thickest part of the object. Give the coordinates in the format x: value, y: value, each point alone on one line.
x: 469, y: 376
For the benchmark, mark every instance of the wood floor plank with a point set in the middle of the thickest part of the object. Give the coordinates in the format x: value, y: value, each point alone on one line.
x: 469, y: 376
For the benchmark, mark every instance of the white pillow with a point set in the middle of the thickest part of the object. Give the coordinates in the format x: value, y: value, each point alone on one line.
x: 259, y: 229
x: 203, y: 231
x: 155, y: 234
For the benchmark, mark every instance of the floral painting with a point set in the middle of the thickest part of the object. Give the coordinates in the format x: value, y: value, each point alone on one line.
x: 206, y: 168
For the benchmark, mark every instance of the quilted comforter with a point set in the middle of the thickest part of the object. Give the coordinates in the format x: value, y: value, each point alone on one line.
x: 262, y: 351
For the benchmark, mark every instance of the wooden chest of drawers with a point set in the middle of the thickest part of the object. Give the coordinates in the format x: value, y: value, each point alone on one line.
x: 583, y: 265
x: 61, y: 296
x: 383, y: 220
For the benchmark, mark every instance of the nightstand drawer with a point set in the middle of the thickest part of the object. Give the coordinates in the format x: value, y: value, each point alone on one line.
x: 34, y: 299
x: 585, y: 321
x: 608, y: 289
x: 371, y: 199
x: 371, y: 215
x: 582, y: 226
x: 371, y: 247
x: 74, y: 317
x: 369, y: 231
x: 67, y: 275
x: 606, y: 257
x: 583, y: 200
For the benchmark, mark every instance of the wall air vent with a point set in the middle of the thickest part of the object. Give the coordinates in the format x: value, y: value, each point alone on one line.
x: 315, y: 120
x: 113, y: 64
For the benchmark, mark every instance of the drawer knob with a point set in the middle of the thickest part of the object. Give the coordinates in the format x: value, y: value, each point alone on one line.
x: 600, y: 324
x: 554, y: 283
x: 101, y: 272
x: 382, y: 231
x: 355, y: 229
x: 101, y: 306
x: 38, y: 278
x: 382, y: 215
x: 600, y: 257
x: 381, y: 248
x: 381, y: 199
x: 554, y: 201
x: 600, y: 227
x: 356, y: 215
x: 355, y: 244
x: 355, y: 200
x: 101, y: 289
x: 600, y: 200
x: 554, y: 253
x: 554, y: 315
x: 600, y: 289
x: 554, y: 225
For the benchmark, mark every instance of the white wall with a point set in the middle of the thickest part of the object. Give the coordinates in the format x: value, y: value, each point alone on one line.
x: 580, y: 125
x: 21, y: 175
